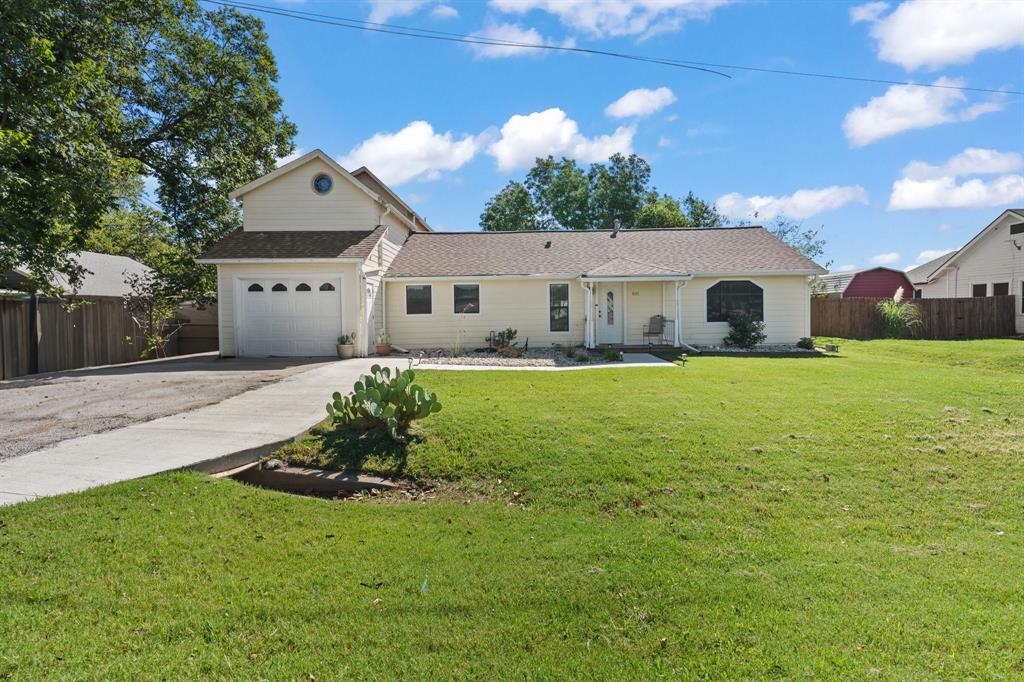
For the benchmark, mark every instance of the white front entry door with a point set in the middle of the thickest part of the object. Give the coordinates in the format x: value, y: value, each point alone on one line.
x: 296, y: 316
x: 609, y: 313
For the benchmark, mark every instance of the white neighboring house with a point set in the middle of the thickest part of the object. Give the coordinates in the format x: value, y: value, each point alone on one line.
x: 104, y: 275
x: 991, y: 264
x: 324, y: 252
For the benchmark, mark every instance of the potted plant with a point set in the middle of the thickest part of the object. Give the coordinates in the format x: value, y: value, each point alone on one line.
x: 346, y: 346
x: 383, y: 343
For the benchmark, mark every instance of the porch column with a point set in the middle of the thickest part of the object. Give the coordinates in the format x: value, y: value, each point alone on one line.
x: 588, y: 313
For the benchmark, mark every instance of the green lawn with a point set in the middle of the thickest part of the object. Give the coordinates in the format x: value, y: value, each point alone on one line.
x: 854, y: 516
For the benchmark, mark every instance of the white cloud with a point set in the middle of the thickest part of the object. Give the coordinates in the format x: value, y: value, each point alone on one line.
x: 602, y: 18
x: 801, y: 204
x: 971, y: 161
x: 909, y: 107
x: 846, y: 268
x: 867, y: 12
x: 382, y: 10
x: 299, y: 151
x: 935, y: 33
x: 885, y: 258
x: 525, y: 137
x: 414, y: 152
x: 946, y: 227
x: 444, y: 12
x: 640, y: 102
x: 664, y: 142
x: 512, y: 33
x: 931, y: 254
x: 924, y: 185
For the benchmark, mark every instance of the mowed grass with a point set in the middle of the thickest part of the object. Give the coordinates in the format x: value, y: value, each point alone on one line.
x: 848, y: 516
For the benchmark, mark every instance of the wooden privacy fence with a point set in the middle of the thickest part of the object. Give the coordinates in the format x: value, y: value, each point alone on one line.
x: 942, y: 318
x: 98, y: 333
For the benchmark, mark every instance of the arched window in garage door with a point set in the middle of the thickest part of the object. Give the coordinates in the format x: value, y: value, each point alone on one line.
x: 303, y: 287
x: 326, y: 286
x: 255, y: 288
x: 279, y: 287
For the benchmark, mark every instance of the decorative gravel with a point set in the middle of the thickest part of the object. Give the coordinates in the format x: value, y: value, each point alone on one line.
x: 541, y: 357
x: 766, y: 348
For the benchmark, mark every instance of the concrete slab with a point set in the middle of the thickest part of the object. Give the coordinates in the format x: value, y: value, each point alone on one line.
x: 239, y: 429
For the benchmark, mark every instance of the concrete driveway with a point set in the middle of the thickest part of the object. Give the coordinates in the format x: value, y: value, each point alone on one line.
x: 211, y: 438
x: 41, y: 410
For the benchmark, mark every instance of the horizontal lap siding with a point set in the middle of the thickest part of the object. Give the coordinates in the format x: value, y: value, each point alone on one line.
x: 289, y: 203
x: 643, y: 301
x: 786, y: 309
x: 520, y: 304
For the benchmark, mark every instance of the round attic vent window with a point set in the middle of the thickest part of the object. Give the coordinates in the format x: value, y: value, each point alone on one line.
x: 322, y: 183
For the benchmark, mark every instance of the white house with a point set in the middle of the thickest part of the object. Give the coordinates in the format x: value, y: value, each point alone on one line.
x: 991, y: 264
x: 324, y: 252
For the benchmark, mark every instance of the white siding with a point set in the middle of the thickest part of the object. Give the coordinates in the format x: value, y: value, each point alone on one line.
x: 289, y: 203
x: 227, y: 274
x: 787, y: 315
x: 992, y: 259
x: 521, y: 304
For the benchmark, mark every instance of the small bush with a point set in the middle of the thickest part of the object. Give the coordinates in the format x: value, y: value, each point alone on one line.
x: 379, y: 400
x: 807, y: 343
x: 744, y: 331
x: 899, y: 317
x: 611, y: 355
x: 507, y: 338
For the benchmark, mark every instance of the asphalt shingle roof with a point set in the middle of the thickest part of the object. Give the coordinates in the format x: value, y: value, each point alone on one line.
x: 598, y: 253
x: 295, y: 244
x: 921, y: 273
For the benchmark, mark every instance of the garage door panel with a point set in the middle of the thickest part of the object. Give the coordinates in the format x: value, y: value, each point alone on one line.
x: 299, y: 319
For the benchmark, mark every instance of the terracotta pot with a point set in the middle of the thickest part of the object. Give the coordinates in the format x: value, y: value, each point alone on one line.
x: 383, y: 349
x: 346, y: 350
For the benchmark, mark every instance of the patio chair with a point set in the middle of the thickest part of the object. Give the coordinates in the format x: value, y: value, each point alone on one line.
x: 655, y: 329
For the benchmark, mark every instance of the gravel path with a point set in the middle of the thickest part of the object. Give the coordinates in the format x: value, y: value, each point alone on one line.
x: 39, y: 411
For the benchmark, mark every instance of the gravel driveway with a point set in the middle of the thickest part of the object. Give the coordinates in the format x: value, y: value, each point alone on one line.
x: 41, y: 410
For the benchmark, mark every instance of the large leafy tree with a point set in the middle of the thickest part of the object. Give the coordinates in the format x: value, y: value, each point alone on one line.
x: 560, y: 195
x: 94, y: 93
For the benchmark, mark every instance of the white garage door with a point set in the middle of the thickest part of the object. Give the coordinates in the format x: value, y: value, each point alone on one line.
x: 290, y: 317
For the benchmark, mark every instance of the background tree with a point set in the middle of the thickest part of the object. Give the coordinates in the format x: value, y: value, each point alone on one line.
x: 510, y: 209
x: 96, y: 93
x: 560, y: 195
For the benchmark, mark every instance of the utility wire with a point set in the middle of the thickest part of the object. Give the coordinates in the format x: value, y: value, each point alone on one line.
x: 429, y: 34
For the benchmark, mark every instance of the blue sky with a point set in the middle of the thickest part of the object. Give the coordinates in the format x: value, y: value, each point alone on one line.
x: 889, y: 172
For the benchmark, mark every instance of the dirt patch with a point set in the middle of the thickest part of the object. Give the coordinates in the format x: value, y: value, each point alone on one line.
x: 41, y: 410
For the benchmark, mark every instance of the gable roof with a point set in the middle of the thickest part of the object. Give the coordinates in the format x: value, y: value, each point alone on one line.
x: 104, y: 274
x: 838, y: 282
x: 240, y: 192
x: 921, y: 273
x: 293, y: 244
x: 600, y: 253
x: 366, y: 176
x: 956, y: 255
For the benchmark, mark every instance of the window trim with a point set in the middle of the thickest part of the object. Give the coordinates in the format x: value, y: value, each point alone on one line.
x: 430, y: 287
x: 568, y: 307
x: 755, y: 281
x: 479, y: 298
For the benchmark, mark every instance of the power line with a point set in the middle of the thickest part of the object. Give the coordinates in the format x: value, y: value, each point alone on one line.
x: 429, y: 34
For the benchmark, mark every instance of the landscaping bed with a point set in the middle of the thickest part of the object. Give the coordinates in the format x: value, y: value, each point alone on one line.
x: 539, y: 357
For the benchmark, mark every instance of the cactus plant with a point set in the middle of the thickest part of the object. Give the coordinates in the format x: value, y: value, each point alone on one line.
x: 380, y: 400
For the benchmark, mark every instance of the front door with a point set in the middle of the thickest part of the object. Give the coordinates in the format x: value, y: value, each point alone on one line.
x: 609, y: 313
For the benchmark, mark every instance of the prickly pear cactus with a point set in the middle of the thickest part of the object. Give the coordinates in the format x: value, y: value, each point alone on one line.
x: 380, y: 400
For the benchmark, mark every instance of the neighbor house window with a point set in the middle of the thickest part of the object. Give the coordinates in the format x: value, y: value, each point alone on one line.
x: 918, y: 293
x: 558, y: 307
x: 467, y: 298
x: 726, y: 299
x: 417, y: 299
x: 1001, y: 289
x: 979, y: 290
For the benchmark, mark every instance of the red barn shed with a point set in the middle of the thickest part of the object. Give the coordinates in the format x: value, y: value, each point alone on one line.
x: 866, y: 283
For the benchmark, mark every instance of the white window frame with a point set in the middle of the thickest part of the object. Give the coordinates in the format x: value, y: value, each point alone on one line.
x: 479, y: 297
x: 568, y: 307
x: 406, y: 294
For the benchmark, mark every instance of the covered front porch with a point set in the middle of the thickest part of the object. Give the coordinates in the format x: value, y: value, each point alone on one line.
x: 633, y: 312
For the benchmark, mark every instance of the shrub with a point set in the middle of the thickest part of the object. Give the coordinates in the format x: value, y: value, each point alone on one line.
x: 347, y: 339
x: 379, y: 400
x: 744, y: 331
x: 611, y: 355
x: 899, y: 317
x: 507, y: 338
x: 807, y: 343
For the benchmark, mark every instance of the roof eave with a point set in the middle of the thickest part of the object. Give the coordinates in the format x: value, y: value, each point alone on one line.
x: 227, y: 261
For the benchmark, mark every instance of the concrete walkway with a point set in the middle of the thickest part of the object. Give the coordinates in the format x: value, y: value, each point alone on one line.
x: 215, y: 437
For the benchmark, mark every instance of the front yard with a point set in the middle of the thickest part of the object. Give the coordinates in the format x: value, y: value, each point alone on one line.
x: 849, y: 516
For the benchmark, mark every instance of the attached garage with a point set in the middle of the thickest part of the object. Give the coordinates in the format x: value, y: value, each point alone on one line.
x: 288, y: 316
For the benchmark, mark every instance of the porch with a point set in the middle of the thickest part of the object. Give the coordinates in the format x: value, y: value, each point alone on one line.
x: 635, y: 312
